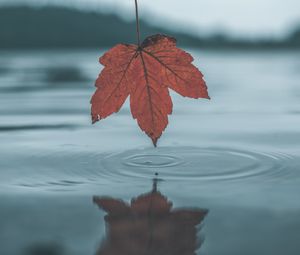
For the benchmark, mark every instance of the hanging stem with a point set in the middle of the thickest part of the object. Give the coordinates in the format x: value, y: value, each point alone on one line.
x: 137, y: 23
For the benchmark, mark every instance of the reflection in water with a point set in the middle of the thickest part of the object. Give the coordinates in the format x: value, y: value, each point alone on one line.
x: 149, y: 225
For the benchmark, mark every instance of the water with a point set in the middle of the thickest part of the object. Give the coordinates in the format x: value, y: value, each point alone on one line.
x: 230, y: 165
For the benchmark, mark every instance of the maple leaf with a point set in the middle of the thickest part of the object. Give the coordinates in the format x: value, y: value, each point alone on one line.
x: 145, y: 73
x: 151, y: 223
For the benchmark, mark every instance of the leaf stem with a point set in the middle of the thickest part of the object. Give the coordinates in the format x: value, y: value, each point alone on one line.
x: 137, y: 23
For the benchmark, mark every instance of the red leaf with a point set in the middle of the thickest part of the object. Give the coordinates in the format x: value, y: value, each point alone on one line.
x: 149, y: 225
x: 145, y: 73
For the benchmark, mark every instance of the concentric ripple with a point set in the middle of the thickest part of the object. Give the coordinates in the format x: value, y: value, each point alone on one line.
x: 152, y: 161
x: 75, y: 168
x: 200, y: 164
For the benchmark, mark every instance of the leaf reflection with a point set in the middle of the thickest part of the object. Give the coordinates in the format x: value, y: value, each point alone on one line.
x: 149, y: 225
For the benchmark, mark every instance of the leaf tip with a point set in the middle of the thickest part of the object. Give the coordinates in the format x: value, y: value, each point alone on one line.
x: 154, y: 141
x: 95, y: 118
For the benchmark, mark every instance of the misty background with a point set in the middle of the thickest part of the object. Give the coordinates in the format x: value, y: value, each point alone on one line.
x: 91, y: 23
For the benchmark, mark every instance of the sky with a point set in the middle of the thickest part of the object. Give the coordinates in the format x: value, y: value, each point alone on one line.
x: 247, y: 18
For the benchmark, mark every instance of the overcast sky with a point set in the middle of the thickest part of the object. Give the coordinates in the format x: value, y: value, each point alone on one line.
x: 241, y: 17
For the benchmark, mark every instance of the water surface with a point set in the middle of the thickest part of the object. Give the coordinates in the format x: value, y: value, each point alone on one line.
x: 235, y: 158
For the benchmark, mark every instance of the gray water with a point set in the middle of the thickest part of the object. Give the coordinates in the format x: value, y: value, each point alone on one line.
x: 236, y: 156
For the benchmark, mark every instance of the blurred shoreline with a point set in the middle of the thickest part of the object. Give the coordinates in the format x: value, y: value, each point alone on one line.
x: 25, y: 27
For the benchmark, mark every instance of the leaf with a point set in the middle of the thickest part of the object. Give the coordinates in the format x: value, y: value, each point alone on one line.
x: 145, y: 73
x: 149, y: 225
x: 111, y: 205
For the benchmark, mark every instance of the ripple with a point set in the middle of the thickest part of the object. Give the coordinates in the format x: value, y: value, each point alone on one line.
x: 152, y: 161
x: 73, y: 168
x: 68, y: 168
x: 198, y: 164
